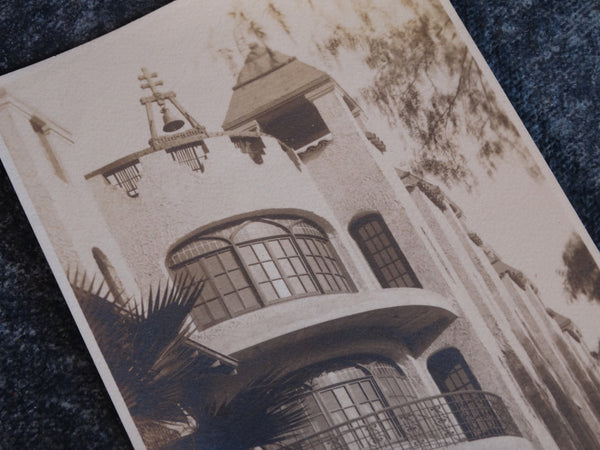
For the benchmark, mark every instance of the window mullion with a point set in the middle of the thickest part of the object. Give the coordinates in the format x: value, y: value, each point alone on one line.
x: 309, y: 269
x: 278, y: 266
x: 253, y: 282
x: 215, y: 290
x: 317, y: 397
x: 341, y: 267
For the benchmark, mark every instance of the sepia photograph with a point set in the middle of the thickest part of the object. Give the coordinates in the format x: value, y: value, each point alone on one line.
x: 308, y: 225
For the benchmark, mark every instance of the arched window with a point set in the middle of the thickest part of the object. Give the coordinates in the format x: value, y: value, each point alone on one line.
x: 382, y: 252
x: 450, y: 371
x: 340, y: 391
x: 253, y: 263
x: 474, y: 413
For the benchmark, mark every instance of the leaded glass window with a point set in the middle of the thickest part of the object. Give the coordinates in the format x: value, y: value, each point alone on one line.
x: 250, y: 264
x: 474, y: 414
x: 344, y: 396
x: 382, y: 252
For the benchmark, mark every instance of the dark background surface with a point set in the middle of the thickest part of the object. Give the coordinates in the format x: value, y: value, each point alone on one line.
x: 545, y: 54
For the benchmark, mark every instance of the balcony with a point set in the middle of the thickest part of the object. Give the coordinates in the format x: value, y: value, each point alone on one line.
x: 414, y: 315
x: 429, y: 423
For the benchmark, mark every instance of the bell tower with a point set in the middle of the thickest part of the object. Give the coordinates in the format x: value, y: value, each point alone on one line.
x: 171, y: 123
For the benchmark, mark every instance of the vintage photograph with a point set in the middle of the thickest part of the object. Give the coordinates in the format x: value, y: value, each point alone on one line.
x: 308, y: 225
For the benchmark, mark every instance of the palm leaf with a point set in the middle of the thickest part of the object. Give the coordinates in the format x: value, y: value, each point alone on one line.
x: 261, y: 413
x: 145, y: 345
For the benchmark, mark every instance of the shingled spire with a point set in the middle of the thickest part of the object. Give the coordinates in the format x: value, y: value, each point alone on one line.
x: 268, y: 79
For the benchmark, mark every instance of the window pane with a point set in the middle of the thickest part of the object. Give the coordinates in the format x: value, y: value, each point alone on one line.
x: 233, y: 303
x: 358, y: 396
x: 385, y: 271
x: 248, y: 255
x: 323, y: 282
x: 261, y: 252
x: 408, y: 281
x: 378, y: 259
x: 342, y: 396
x: 330, y: 401
x: 248, y: 298
x: 216, y: 309
x: 331, y: 282
x: 213, y: 265
x: 371, y: 231
x: 238, y: 279
x: 310, y: 405
x: 377, y: 243
x: 268, y: 291
x: 351, y: 413
x: 228, y: 261
x: 223, y: 285
x: 331, y: 266
x: 194, y: 270
x: 288, y: 247
x: 275, y: 249
x: 258, y: 273
x: 296, y: 285
x: 395, y: 283
x: 271, y: 270
x: 303, y: 246
x: 385, y: 257
x: 368, y: 390
x: 319, y: 423
x: 312, y: 262
x: 282, y: 289
x: 308, y: 284
x: 371, y: 247
x: 208, y: 293
x: 287, y: 268
x: 339, y: 417
x: 382, y: 253
x: 363, y: 233
x: 298, y: 265
x: 377, y: 404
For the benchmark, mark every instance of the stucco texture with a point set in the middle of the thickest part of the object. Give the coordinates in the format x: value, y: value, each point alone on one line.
x: 545, y: 54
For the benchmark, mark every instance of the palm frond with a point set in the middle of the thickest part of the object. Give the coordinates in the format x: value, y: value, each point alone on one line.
x: 145, y: 345
x: 261, y: 413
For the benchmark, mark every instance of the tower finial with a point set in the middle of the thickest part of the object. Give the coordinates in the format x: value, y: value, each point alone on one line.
x: 149, y: 80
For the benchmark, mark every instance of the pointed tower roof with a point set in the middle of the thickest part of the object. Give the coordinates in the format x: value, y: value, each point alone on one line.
x: 267, y: 80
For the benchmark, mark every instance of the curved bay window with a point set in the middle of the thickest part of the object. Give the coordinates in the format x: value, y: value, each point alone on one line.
x: 382, y: 252
x: 341, y: 391
x: 251, y: 264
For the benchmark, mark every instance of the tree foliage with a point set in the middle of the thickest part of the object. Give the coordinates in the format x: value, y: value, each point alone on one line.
x: 162, y: 381
x: 426, y: 80
x: 261, y: 412
x: 423, y: 80
x: 581, y: 273
x: 144, y: 346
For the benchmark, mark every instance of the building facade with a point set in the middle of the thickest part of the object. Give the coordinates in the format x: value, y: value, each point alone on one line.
x: 318, y: 259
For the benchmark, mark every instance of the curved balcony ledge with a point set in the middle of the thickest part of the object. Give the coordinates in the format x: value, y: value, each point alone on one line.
x: 405, y: 311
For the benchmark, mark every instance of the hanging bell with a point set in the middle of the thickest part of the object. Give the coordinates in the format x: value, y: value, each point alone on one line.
x: 171, y: 123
